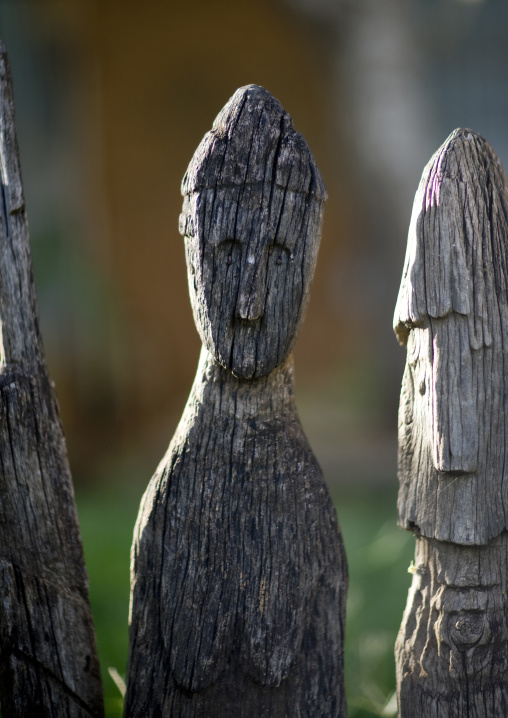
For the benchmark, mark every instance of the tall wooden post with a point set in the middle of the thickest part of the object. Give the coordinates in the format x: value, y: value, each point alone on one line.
x: 452, y: 314
x: 48, y: 658
x: 238, y: 568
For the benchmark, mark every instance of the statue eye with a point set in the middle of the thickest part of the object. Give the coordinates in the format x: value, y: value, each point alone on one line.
x: 229, y: 251
x: 278, y: 250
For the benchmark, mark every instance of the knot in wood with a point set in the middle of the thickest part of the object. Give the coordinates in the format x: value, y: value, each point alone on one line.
x: 466, y: 630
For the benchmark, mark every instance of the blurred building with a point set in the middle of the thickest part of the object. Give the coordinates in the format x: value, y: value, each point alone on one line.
x: 112, y: 100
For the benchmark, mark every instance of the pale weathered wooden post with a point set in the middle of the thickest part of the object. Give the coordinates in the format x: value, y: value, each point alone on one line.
x: 238, y: 568
x: 48, y: 658
x: 452, y: 314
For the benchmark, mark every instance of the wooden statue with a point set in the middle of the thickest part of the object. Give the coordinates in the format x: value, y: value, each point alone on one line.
x: 238, y: 568
x: 48, y: 657
x: 452, y: 314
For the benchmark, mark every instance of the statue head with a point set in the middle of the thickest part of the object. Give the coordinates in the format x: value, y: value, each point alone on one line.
x: 452, y: 314
x: 251, y: 218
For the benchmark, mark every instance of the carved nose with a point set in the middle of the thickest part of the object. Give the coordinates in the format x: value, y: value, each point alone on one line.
x: 250, y: 307
x: 455, y: 430
x: 252, y: 293
x: 454, y: 424
x: 456, y: 465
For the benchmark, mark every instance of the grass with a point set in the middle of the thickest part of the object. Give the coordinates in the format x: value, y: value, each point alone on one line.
x: 378, y: 553
x: 107, y: 521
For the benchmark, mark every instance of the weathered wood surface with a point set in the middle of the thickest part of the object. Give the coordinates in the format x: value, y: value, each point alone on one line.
x: 452, y: 313
x: 238, y: 570
x: 452, y: 648
x: 48, y: 659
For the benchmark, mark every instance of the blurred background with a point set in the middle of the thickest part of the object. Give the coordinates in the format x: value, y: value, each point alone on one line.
x: 112, y: 100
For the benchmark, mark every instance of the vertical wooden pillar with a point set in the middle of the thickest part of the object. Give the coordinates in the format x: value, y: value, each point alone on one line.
x: 238, y: 568
x: 452, y: 314
x: 48, y: 658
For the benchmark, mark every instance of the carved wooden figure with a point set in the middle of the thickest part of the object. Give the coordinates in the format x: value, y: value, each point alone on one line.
x: 48, y: 657
x: 452, y: 314
x: 238, y: 569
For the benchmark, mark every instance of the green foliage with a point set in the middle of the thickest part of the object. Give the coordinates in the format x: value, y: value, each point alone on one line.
x: 107, y: 522
x: 378, y: 553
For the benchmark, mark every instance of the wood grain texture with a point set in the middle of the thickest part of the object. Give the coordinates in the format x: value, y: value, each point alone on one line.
x: 48, y: 658
x: 452, y: 648
x: 239, y: 574
x: 452, y: 314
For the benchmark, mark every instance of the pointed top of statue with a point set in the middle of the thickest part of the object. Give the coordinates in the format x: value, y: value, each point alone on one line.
x: 454, y: 236
x: 253, y: 141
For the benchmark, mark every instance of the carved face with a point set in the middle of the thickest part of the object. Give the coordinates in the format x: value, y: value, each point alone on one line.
x: 250, y: 266
x: 452, y: 313
x: 451, y: 433
x: 452, y: 428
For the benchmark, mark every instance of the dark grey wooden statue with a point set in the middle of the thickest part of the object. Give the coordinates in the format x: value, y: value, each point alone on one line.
x: 452, y: 314
x: 48, y: 657
x: 238, y: 569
